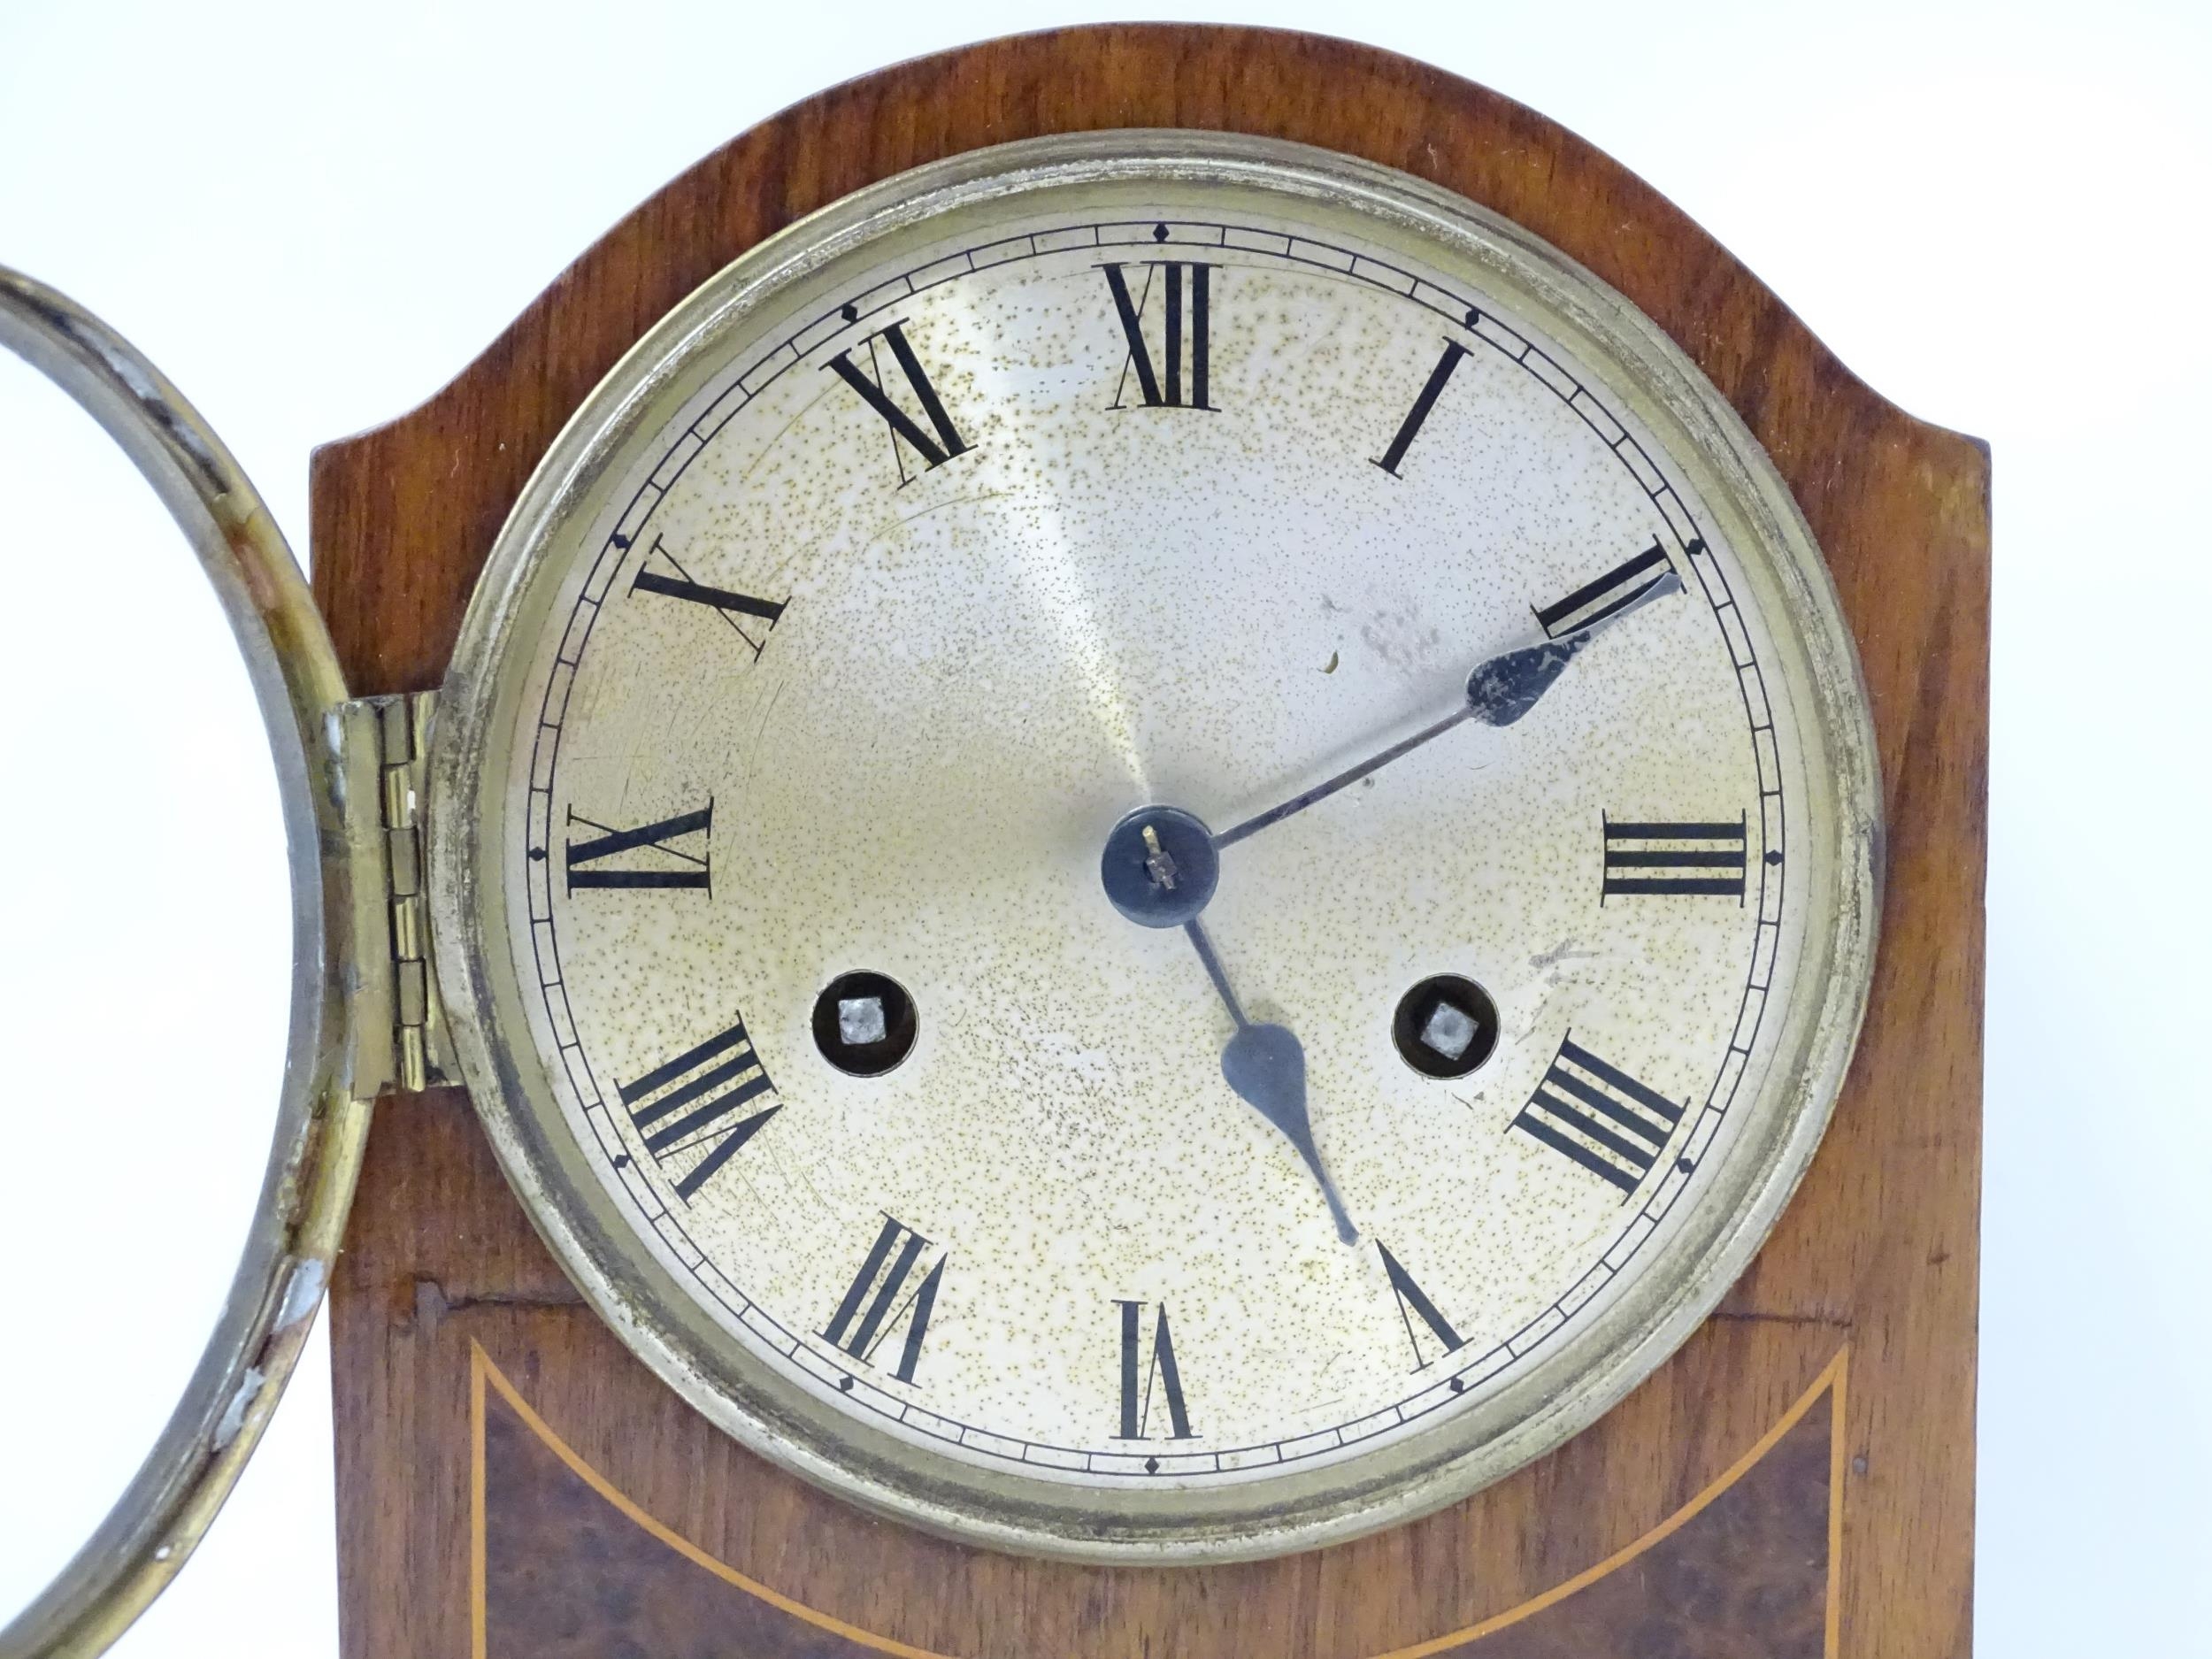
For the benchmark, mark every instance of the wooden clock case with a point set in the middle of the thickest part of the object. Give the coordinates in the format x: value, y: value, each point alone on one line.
x: 1798, y: 1480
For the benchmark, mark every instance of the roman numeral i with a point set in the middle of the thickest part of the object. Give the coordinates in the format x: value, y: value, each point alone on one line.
x: 942, y: 440
x: 1187, y: 294
x: 1598, y: 1116
x: 1431, y: 390
x: 1138, y: 1376
x: 691, y: 1103
x: 879, y: 1299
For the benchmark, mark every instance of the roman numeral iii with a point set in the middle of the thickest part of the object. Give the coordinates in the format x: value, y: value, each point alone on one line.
x: 1617, y: 589
x: 1138, y: 1376
x: 660, y: 855
x: 691, y: 1104
x: 942, y: 440
x: 728, y: 605
x: 1673, y: 858
x: 1413, y: 1302
x: 1598, y: 1116
x: 880, y: 1299
x: 1186, y: 317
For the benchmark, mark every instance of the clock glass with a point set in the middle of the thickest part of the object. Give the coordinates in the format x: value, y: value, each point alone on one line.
x: 1154, y: 846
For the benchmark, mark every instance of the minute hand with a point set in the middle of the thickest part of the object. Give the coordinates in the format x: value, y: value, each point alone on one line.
x: 1500, y: 691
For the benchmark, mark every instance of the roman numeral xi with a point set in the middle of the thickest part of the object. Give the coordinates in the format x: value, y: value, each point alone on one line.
x: 880, y: 1299
x: 937, y: 445
x: 1643, y: 858
x: 1187, y: 311
x: 723, y: 603
x: 659, y: 854
x: 1598, y: 1116
x: 691, y: 1104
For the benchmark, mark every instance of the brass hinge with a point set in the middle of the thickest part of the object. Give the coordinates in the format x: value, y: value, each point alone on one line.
x: 399, y: 1024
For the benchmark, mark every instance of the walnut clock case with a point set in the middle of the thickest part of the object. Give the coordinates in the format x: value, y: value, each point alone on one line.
x: 1131, y: 770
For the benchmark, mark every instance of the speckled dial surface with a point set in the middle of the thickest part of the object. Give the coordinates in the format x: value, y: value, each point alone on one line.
x: 940, y: 536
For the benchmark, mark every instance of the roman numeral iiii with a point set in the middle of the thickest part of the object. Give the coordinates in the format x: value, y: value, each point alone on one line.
x: 1600, y: 1116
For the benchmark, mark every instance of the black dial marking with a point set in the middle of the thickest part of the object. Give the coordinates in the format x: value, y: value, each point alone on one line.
x: 1598, y: 1116
x: 1185, y: 287
x: 688, y: 869
x: 1412, y: 1299
x: 1673, y: 858
x: 1430, y: 391
x: 728, y: 605
x: 1138, y: 1377
x: 872, y: 1308
x: 1619, y: 589
x: 698, y: 1110
x: 934, y: 451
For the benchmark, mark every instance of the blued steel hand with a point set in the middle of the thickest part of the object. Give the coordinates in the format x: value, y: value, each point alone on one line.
x: 1499, y: 691
x: 1266, y: 1065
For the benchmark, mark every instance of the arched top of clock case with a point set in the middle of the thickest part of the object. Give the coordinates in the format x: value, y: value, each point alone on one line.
x: 404, y: 514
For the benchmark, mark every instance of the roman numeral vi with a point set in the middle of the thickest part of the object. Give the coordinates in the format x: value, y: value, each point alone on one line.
x: 1138, y: 1378
x: 1598, y: 1116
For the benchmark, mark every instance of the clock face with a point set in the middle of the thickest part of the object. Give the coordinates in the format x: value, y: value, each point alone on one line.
x: 1165, y: 857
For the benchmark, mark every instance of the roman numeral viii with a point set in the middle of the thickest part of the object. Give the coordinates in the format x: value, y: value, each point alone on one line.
x: 1626, y: 584
x: 880, y: 1299
x: 942, y: 440
x: 728, y: 605
x: 1187, y: 291
x: 1673, y: 858
x: 691, y: 1105
x: 1414, y: 1301
x: 667, y: 856
x: 1598, y: 1116
x: 1138, y: 1377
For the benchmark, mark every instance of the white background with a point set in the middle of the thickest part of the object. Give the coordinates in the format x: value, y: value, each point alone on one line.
x: 312, y: 218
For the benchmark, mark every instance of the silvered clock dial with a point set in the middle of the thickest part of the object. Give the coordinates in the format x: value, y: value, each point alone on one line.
x: 1154, y: 846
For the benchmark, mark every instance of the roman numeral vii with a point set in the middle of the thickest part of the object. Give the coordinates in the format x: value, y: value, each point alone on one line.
x: 879, y: 1298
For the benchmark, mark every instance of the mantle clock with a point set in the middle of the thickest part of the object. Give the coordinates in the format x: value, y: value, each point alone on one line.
x: 1155, y: 840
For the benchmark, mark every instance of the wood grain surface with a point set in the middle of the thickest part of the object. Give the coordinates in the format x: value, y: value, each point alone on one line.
x: 1878, y: 1249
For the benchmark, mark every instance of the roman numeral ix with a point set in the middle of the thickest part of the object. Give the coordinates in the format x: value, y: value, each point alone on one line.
x: 1413, y: 1300
x: 1138, y: 1377
x: 1673, y: 858
x: 1418, y: 415
x: 1617, y: 589
x: 692, y: 1103
x: 942, y: 440
x: 729, y: 606
x: 1186, y: 304
x: 591, y: 862
x: 1598, y: 1116
x: 880, y: 1299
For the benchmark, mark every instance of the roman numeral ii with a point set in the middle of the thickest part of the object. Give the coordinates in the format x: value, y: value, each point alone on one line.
x: 691, y: 1103
x: 1186, y: 304
x: 942, y: 440
x: 1617, y: 589
x: 1598, y: 1116
x: 880, y: 1299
